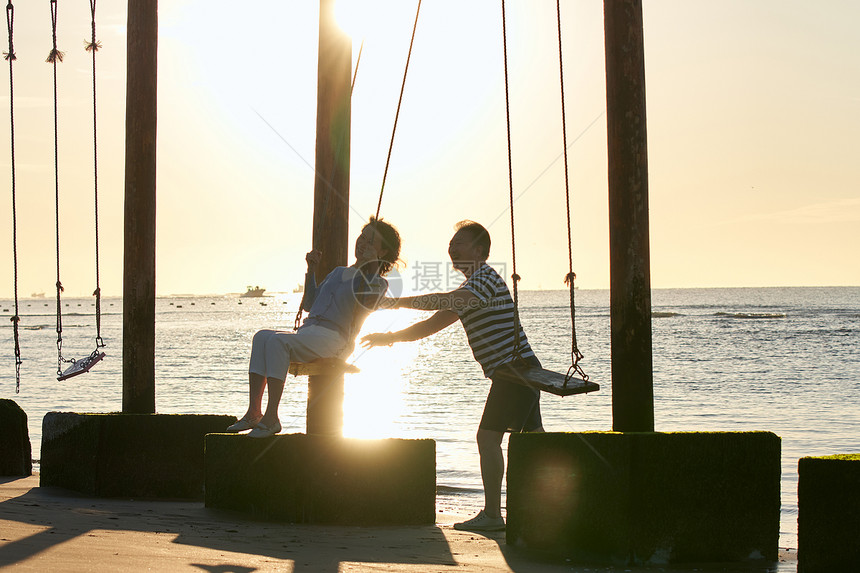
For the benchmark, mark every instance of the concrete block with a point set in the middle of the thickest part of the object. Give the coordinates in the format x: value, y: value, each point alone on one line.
x: 16, y: 457
x: 705, y: 497
x: 127, y: 455
x: 303, y: 478
x: 645, y: 498
x: 570, y: 492
x: 828, y: 520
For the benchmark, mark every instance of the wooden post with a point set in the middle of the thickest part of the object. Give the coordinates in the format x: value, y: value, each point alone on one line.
x: 138, y: 335
x: 630, y: 276
x: 331, y: 194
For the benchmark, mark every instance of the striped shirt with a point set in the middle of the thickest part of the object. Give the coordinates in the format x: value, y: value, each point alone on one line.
x: 489, y: 325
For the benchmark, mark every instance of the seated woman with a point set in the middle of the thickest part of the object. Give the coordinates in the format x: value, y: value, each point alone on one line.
x: 336, y: 311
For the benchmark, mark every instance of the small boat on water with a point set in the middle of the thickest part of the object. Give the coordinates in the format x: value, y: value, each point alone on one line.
x: 255, y: 291
x: 299, y: 288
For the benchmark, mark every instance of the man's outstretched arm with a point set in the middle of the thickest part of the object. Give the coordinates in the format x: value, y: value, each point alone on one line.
x: 457, y: 300
x: 441, y: 319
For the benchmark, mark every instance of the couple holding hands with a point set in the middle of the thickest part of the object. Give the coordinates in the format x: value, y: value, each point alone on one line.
x: 338, y: 307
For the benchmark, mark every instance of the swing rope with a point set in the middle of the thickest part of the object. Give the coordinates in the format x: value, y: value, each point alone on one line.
x: 10, y: 57
x: 300, y: 312
x: 355, y: 72
x: 397, y: 114
x: 514, y: 277
x: 575, y: 354
x: 93, y: 46
x: 54, y: 56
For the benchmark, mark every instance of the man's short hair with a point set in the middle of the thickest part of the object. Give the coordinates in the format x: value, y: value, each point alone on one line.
x: 479, y: 235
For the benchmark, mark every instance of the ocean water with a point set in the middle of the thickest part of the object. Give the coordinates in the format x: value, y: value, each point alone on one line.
x: 785, y: 360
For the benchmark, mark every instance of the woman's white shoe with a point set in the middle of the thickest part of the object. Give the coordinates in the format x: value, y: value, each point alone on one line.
x: 243, y: 424
x: 264, y: 431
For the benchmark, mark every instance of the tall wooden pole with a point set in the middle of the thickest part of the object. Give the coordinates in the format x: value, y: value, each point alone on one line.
x: 138, y: 333
x: 630, y: 275
x: 331, y: 194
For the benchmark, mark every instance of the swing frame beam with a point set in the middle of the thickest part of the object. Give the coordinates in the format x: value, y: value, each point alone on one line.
x: 138, y: 332
x: 629, y: 253
x: 630, y: 290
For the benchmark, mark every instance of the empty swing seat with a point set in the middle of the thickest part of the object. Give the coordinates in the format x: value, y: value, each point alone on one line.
x: 543, y: 379
x: 322, y: 366
x: 81, y: 366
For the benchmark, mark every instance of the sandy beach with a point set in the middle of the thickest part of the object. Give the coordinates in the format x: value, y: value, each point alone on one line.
x: 50, y: 529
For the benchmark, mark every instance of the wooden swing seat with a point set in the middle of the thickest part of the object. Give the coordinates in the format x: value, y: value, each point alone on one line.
x: 81, y: 366
x: 546, y: 380
x: 322, y: 366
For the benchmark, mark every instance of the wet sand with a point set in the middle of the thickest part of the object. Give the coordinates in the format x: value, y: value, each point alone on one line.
x: 50, y: 529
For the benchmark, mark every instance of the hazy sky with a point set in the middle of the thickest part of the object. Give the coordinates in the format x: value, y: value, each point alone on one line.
x: 753, y: 119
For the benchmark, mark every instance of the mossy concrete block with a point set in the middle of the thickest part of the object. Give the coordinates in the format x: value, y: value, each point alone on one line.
x: 303, y: 478
x: 262, y: 477
x: 16, y: 457
x: 645, y: 498
x: 705, y: 497
x: 127, y: 455
x: 570, y: 492
x: 828, y: 519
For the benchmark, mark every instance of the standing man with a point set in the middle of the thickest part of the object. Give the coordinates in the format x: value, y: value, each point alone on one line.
x: 484, y: 305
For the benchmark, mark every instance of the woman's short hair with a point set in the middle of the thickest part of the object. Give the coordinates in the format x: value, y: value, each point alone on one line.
x: 390, y: 244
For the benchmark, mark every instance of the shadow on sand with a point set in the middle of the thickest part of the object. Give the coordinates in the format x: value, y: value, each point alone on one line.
x: 54, y: 529
x: 50, y: 517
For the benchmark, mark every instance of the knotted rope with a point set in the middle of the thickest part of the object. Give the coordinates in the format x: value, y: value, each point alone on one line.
x: 575, y: 354
x: 10, y: 57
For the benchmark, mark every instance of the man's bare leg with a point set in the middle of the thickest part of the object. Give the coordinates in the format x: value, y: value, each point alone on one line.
x: 492, y: 470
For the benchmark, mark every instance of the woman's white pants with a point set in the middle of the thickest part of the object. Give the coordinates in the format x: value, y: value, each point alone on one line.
x: 273, y: 350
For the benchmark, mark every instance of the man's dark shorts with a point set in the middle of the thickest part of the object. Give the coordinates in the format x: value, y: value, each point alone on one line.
x: 512, y: 407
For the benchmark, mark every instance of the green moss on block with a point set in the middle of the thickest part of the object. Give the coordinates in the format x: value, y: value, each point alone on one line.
x: 15, y: 452
x: 838, y: 457
x: 127, y: 455
x: 645, y: 498
x: 318, y: 479
x: 828, y: 521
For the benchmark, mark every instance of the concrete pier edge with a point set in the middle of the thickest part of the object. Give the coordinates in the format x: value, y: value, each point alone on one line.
x: 646, y: 498
x: 127, y: 455
x: 828, y: 518
x: 300, y: 478
x: 16, y: 457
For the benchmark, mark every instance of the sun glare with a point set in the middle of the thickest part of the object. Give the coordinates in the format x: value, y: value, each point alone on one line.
x: 374, y: 398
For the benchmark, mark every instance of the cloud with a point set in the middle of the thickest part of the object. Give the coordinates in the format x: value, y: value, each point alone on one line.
x: 840, y: 211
